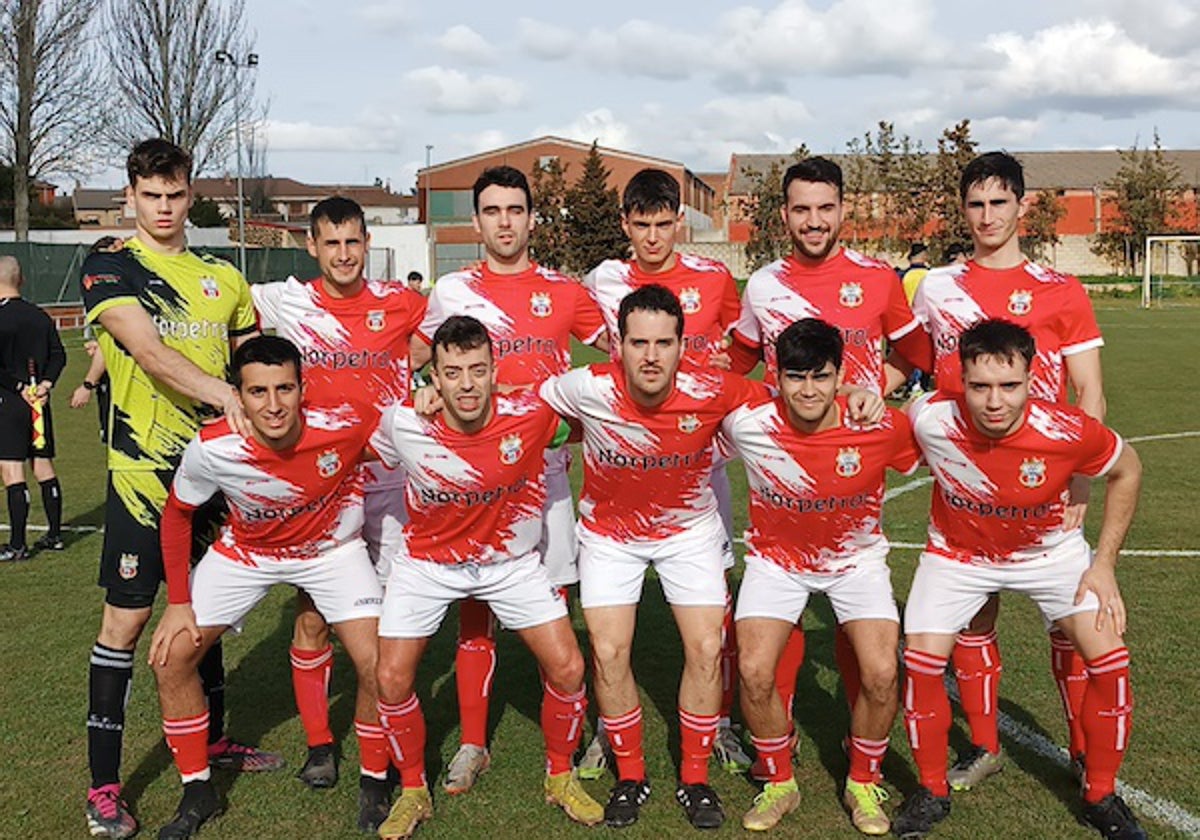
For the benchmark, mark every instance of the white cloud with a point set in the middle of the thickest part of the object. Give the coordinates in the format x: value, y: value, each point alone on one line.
x: 442, y: 90
x: 465, y: 44
x: 1172, y: 29
x: 1006, y: 132
x: 600, y: 125
x: 546, y: 41
x: 390, y: 17
x: 286, y: 136
x: 642, y: 48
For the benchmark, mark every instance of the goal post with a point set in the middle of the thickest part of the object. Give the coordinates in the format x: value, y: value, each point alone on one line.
x: 1166, y: 245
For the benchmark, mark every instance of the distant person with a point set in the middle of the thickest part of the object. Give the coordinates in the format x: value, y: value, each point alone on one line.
x: 957, y: 254
x: 31, y: 359
x: 416, y: 282
x: 918, y: 267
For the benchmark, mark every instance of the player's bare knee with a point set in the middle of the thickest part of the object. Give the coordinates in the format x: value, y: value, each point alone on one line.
x: 703, y: 651
x: 395, y: 683
x: 121, y: 628
x: 565, y: 670
x: 310, y: 631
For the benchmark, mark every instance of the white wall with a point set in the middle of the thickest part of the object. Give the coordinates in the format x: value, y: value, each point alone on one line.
x: 410, y: 251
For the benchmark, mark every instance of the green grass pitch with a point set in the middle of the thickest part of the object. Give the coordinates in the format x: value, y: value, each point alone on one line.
x: 49, y: 613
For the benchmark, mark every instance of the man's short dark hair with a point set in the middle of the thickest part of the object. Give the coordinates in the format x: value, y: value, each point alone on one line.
x: 651, y: 191
x: 158, y: 157
x: 651, y: 298
x: 999, y: 338
x: 264, y: 350
x: 807, y: 344
x: 999, y: 165
x: 503, y: 176
x: 955, y: 250
x: 337, y: 210
x: 816, y: 170
x: 461, y: 332
x: 415, y: 275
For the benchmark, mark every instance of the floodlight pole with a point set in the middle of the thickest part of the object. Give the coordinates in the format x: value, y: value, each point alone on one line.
x: 430, y: 239
x: 250, y: 61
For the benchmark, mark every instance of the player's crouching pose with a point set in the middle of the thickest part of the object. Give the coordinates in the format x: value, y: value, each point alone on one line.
x: 1003, y: 463
x: 816, y: 491
x: 476, y: 488
x: 295, y: 517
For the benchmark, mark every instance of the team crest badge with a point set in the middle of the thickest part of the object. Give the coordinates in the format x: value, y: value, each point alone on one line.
x: 1033, y: 472
x: 376, y: 320
x: 689, y: 300
x: 850, y: 294
x: 848, y: 461
x: 209, y: 286
x: 1020, y: 302
x: 539, y: 304
x: 689, y: 423
x: 511, y: 449
x: 328, y: 463
x: 127, y: 566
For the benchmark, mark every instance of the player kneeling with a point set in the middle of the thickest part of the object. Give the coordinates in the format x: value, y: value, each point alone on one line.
x: 1002, y: 463
x: 295, y: 517
x: 476, y: 488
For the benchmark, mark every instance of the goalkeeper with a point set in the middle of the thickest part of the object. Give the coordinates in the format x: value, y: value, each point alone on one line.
x: 31, y: 359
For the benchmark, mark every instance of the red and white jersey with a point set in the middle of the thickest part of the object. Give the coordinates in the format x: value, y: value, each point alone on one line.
x: 646, y: 470
x: 1002, y: 501
x: 705, y: 288
x: 816, y: 499
x: 860, y: 296
x: 295, y: 503
x: 1053, y: 307
x: 350, y: 346
x: 530, y: 317
x: 472, y: 498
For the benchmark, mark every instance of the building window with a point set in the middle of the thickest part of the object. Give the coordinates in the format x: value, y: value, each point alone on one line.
x: 451, y: 206
x: 545, y: 160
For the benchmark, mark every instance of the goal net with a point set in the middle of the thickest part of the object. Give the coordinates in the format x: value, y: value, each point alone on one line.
x: 1170, y: 268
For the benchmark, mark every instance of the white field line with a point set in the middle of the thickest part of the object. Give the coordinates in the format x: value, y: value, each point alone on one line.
x: 1162, y: 810
x: 1171, y: 436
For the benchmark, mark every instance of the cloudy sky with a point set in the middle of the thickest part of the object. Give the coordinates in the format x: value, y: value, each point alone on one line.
x: 359, y: 88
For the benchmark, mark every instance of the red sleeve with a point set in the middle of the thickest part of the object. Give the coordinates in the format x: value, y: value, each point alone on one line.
x: 905, y: 456
x: 1078, y: 329
x: 1098, y: 449
x: 416, y: 312
x: 740, y: 391
x: 589, y: 323
x: 175, y: 537
x: 917, y: 348
x: 898, y: 318
x: 743, y: 357
x: 731, y: 304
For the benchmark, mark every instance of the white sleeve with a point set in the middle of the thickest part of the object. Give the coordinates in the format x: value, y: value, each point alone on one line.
x: 268, y: 298
x: 564, y: 393
x: 747, y: 323
x: 383, y: 439
x: 195, y: 482
x: 437, y: 310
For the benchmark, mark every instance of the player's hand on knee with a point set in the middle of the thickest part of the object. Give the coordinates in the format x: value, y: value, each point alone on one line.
x: 176, y: 619
x: 1103, y: 582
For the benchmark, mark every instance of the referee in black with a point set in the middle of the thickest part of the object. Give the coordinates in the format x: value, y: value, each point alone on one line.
x: 31, y: 360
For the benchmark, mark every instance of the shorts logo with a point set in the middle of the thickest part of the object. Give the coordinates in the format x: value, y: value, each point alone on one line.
x: 851, y: 295
x: 90, y: 280
x: 210, y: 288
x: 540, y: 304
x: 1020, y: 302
x: 127, y: 566
x: 848, y: 462
x: 328, y: 463
x: 1033, y: 472
x: 689, y: 300
x: 688, y: 423
x: 376, y: 320
x: 511, y: 449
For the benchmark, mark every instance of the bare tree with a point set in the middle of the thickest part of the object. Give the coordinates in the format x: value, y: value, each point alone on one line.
x: 48, y: 93
x: 163, y: 62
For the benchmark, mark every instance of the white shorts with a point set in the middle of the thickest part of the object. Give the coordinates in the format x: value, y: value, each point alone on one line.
x: 719, y: 481
x: 946, y: 594
x: 384, y: 516
x: 770, y: 591
x: 690, y: 566
x: 419, y: 593
x: 342, y: 583
x: 559, y: 546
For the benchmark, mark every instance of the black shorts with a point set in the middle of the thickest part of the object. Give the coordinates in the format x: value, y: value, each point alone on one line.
x: 16, y: 429
x: 131, y: 567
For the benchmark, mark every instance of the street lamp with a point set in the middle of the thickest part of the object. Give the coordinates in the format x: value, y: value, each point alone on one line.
x: 251, y: 60
x: 430, y: 239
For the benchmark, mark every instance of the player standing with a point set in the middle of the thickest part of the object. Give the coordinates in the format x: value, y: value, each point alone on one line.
x: 816, y: 494
x: 295, y: 517
x: 652, y: 218
x: 1003, y: 461
x: 353, y: 336
x: 1000, y: 283
x: 31, y: 360
x: 530, y: 313
x: 169, y: 318
x: 648, y: 426
x: 476, y: 491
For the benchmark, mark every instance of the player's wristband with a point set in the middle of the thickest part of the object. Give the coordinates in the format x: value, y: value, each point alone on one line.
x: 89, y: 386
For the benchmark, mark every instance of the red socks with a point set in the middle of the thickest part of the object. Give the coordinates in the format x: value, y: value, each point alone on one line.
x: 372, y: 749
x: 977, y: 669
x: 927, y: 717
x: 866, y: 759
x: 788, y: 668
x: 403, y: 725
x: 311, y: 672
x: 474, y: 666
x: 774, y: 757
x: 1070, y: 674
x: 696, y: 736
x: 188, y: 741
x: 625, y: 739
x: 1107, y: 715
x: 562, y: 726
